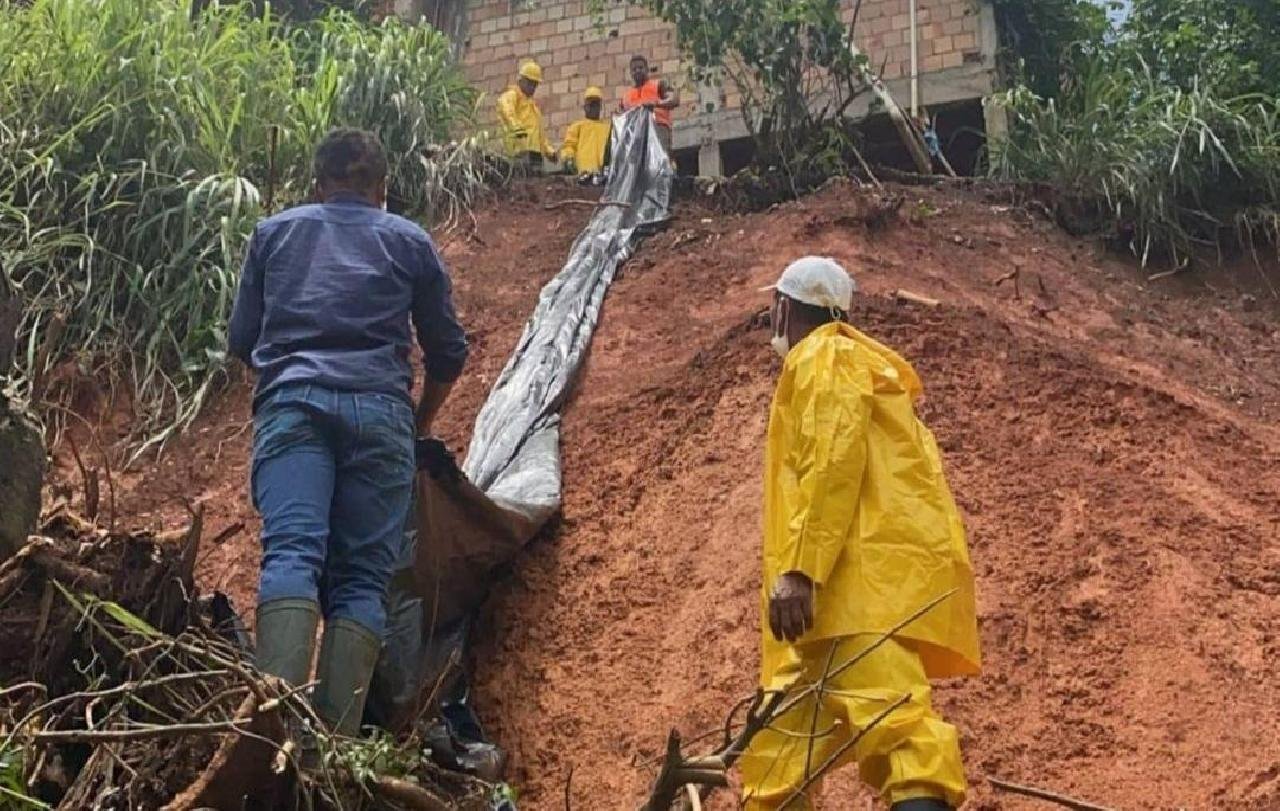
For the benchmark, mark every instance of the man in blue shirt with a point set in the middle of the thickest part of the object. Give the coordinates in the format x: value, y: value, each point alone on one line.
x: 323, y: 315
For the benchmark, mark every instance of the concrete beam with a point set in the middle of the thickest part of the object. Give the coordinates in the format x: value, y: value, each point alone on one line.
x: 965, y: 83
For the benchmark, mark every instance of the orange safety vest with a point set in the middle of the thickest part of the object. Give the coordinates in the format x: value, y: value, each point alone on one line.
x: 645, y: 94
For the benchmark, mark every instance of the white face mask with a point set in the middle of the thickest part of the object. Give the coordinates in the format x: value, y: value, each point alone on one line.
x: 780, y: 342
x: 781, y: 345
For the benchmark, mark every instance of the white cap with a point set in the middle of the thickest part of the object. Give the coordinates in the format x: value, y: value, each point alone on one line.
x: 819, y: 281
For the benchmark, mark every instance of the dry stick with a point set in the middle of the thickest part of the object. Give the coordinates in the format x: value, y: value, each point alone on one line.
x: 865, y: 652
x: 1041, y: 794
x: 90, y: 490
x: 592, y: 203
x: 26, y: 685
x: 568, y: 790
x: 218, y: 697
x: 915, y: 298
x: 95, y: 695
x: 781, y: 702
x: 409, y: 795
x: 695, y: 800
x: 839, y: 753
x: 138, y: 733
x: 217, y: 455
x: 817, y: 705
x: 102, y: 449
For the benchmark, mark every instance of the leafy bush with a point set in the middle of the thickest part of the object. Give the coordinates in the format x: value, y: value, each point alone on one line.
x: 1172, y: 171
x: 135, y: 151
x: 1041, y: 41
x: 1232, y: 46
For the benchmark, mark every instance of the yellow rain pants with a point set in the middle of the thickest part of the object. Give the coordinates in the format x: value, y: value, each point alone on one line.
x: 909, y: 754
x: 522, y: 125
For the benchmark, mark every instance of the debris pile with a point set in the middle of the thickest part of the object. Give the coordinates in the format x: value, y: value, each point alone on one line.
x: 125, y: 689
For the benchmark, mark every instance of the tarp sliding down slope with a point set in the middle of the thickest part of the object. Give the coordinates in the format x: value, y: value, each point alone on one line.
x: 468, y: 522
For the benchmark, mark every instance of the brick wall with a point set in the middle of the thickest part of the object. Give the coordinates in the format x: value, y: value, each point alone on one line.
x: 575, y: 51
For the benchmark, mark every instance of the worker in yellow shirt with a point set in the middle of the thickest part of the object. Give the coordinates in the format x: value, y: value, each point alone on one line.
x: 524, y: 135
x: 586, y: 142
x: 860, y: 532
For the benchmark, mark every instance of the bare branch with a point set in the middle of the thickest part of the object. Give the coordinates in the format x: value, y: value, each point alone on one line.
x: 1041, y: 794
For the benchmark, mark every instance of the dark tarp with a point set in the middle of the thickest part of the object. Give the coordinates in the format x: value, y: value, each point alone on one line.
x: 473, y: 520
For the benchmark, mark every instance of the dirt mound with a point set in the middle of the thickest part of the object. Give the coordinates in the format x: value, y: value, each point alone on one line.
x: 1118, y: 477
x: 1111, y: 442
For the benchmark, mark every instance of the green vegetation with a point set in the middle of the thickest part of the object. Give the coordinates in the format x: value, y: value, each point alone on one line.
x: 1166, y: 136
x: 137, y: 149
x: 1042, y: 40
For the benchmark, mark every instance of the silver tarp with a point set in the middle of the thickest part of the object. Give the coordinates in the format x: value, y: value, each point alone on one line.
x: 468, y: 522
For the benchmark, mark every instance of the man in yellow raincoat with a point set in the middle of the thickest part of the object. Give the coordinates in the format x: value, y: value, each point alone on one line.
x: 860, y: 531
x: 586, y: 142
x: 523, y: 133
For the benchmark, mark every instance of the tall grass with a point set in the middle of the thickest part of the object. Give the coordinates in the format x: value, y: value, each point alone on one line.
x: 136, y: 148
x: 1174, y: 173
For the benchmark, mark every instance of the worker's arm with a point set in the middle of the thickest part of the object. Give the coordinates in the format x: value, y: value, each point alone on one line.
x: 569, y: 149
x: 507, y: 112
x: 668, y: 98
x: 832, y: 407
x: 443, y: 342
x: 245, y: 324
x: 434, y: 395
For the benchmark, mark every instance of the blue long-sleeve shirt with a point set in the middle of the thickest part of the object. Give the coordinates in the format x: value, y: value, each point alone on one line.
x: 327, y: 294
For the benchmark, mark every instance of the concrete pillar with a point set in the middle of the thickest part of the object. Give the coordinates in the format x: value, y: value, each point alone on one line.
x: 995, y: 118
x: 709, y: 163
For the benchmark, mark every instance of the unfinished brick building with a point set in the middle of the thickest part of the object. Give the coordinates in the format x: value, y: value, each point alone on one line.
x: 956, y: 46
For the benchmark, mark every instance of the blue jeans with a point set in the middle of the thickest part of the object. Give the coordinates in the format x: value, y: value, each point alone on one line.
x: 333, y: 478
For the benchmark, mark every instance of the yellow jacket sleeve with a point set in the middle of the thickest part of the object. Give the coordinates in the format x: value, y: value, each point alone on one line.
x: 569, y: 150
x: 507, y: 110
x: 832, y: 406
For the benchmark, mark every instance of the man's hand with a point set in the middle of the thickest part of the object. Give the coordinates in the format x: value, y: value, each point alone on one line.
x: 791, y: 606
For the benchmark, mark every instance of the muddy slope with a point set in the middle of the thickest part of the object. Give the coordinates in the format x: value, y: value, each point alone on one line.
x: 1112, y: 444
x: 1113, y: 448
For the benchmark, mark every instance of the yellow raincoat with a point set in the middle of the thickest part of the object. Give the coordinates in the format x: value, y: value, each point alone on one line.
x: 585, y: 143
x: 522, y: 124
x: 855, y: 498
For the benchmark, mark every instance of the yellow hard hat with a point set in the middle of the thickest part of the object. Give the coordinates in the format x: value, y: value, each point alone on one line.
x: 531, y: 70
x: 593, y: 92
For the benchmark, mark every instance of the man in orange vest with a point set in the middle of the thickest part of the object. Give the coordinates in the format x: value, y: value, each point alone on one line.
x: 654, y: 94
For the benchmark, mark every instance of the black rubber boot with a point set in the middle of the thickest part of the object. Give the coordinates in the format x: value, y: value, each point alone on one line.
x: 286, y: 632
x: 348, y: 654
x: 923, y: 804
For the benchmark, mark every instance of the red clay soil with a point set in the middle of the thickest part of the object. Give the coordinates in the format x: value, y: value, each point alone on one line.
x: 1112, y: 443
